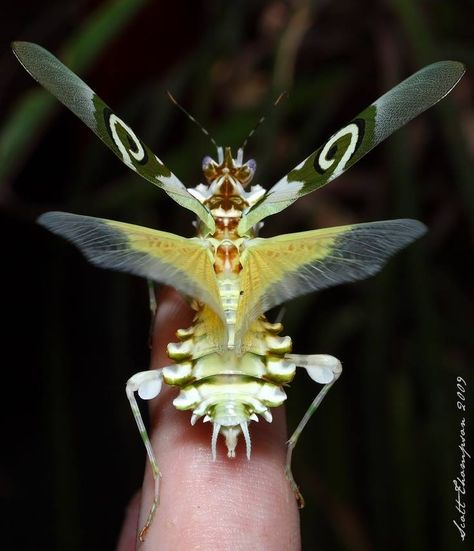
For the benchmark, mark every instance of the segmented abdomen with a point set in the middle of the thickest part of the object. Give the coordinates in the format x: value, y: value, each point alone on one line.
x: 228, y: 388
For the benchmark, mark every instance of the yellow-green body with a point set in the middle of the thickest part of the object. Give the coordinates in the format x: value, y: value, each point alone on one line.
x: 229, y: 384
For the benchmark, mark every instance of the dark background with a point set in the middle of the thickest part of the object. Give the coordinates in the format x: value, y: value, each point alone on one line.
x: 376, y: 464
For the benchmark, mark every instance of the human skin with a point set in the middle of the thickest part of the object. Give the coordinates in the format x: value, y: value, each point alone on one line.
x: 224, y: 505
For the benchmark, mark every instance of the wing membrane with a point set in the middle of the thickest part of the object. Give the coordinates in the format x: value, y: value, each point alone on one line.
x: 389, y: 113
x: 281, y: 268
x: 76, y: 95
x: 183, y: 263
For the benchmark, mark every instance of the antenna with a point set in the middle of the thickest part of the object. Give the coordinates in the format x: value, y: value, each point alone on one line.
x: 193, y: 119
x: 284, y: 94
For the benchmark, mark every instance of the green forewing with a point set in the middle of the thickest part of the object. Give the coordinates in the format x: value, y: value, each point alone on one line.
x: 115, y: 133
x: 281, y: 268
x: 389, y: 113
x: 186, y: 264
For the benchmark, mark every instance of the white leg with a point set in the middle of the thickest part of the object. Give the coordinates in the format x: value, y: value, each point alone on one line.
x: 323, y: 369
x: 148, y: 384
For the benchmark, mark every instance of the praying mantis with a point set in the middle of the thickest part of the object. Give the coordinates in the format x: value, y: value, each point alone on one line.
x: 232, y: 363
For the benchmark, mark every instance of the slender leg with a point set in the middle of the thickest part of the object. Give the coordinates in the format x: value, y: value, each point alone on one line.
x: 322, y: 369
x: 280, y: 315
x: 153, y: 307
x: 148, y: 385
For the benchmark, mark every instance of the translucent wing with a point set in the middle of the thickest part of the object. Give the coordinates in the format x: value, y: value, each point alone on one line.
x: 115, y: 133
x: 284, y: 267
x: 349, y: 144
x: 186, y: 264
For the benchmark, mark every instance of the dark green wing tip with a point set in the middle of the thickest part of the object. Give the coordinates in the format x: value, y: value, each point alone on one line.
x: 29, y: 53
x: 453, y: 65
x: 453, y: 71
x: 17, y: 45
x: 21, y: 48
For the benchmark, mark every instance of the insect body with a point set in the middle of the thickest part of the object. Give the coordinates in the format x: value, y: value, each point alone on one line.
x: 232, y: 363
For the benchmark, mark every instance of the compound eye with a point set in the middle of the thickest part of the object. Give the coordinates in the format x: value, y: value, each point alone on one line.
x: 252, y: 166
x: 207, y: 162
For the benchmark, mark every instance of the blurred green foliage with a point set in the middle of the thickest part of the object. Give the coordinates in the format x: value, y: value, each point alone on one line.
x: 377, y: 463
x: 34, y: 108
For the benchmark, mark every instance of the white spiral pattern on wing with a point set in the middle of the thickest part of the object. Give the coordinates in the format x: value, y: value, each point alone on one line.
x: 139, y: 154
x: 325, y: 163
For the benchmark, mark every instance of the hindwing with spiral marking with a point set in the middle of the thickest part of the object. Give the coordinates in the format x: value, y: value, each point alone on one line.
x: 118, y: 130
x: 389, y: 113
x: 340, y: 148
x: 75, y: 94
